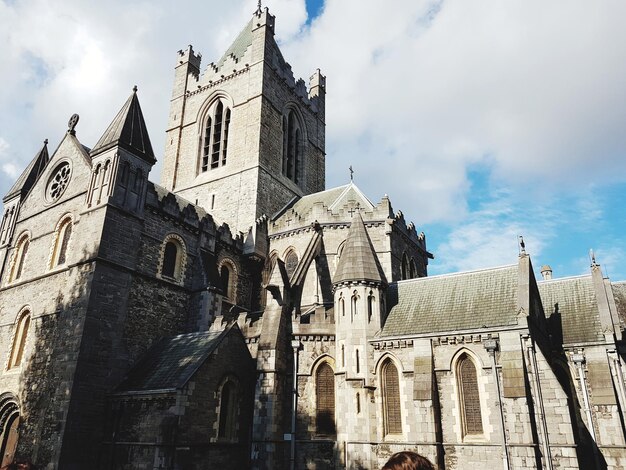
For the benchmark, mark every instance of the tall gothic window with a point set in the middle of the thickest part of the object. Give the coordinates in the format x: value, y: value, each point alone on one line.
x: 370, y: 305
x: 392, y: 414
x: 325, y: 400
x: 354, y: 305
x: 19, y: 340
x: 291, y: 263
x: 405, y: 267
x: 413, y: 269
x: 342, y: 305
x: 469, y: 397
x: 21, y: 250
x: 215, y: 142
x: 61, y: 242
x: 292, y: 147
x: 229, y: 404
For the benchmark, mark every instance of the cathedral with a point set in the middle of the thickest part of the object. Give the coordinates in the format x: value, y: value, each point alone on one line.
x: 239, y: 314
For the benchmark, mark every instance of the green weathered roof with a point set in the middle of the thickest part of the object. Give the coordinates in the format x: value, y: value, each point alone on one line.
x: 239, y: 46
x: 170, y: 363
x: 30, y: 175
x: 453, y: 302
x: 332, y: 199
x: 128, y: 130
x: 574, y: 299
x: 358, y: 261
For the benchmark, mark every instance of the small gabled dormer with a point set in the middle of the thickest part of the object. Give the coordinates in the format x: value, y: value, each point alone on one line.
x: 122, y: 160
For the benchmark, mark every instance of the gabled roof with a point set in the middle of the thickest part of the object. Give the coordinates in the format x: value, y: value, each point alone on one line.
x: 128, y: 130
x: 170, y: 363
x: 574, y: 299
x: 30, y: 175
x: 358, y: 261
x: 333, y: 199
x: 239, y: 46
x: 453, y: 302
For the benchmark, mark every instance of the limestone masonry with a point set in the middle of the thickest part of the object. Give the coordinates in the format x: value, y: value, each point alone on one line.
x: 241, y: 315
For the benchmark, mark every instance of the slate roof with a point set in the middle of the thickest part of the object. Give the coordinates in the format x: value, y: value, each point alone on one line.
x: 128, y: 130
x: 30, y: 175
x: 333, y: 199
x: 619, y: 293
x: 358, y: 261
x: 574, y: 299
x: 170, y: 363
x: 239, y: 46
x: 453, y: 302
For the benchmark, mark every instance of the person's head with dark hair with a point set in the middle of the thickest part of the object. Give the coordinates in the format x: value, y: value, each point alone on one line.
x: 407, y: 460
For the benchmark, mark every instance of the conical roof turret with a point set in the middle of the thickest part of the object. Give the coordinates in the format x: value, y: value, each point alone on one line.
x: 358, y: 261
x: 31, y: 174
x: 128, y: 130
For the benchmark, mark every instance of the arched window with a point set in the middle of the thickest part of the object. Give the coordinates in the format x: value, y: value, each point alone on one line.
x: 325, y: 400
x: 292, y: 146
x: 291, y: 263
x: 228, y: 410
x: 354, y: 305
x: 358, y: 361
x: 228, y: 279
x: 358, y: 402
x: 413, y: 269
x: 21, y: 250
x: 9, y: 420
x: 469, y: 397
x: 342, y: 305
x: 215, y: 142
x: 7, y: 220
x: 392, y: 414
x: 370, y: 305
x: 19, y: 340
x: 169, y: 259
x: 61, y: 242
x: 405, y: 267
x: 343, y: 356
x: 173, y: 258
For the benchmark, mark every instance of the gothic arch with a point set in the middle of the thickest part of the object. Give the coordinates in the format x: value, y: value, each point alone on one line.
x: 20, y: 253
x: 228, y: 396
x: 389, y: 374
x: 9, y: 423
x: 294, y: 143
x: 466, y: 372
x: 291, y: 259
x: 61, y: 241
x: 324, y: 357
x: 455, y: 358
x: 213, y: 128
x: 19, y: 338
x: 323, y: 374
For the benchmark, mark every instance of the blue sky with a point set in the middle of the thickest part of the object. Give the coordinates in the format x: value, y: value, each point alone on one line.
x: 481, y: 120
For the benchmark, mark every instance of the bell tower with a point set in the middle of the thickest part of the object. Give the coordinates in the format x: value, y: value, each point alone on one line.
x: 244, y: 137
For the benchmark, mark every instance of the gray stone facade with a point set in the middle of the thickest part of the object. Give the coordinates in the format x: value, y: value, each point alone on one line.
x: 240, y: 315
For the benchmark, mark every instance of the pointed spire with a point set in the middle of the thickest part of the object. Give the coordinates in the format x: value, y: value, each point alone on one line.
x: 128, y: 130
x: 31, y: 174
x: 358, y: 261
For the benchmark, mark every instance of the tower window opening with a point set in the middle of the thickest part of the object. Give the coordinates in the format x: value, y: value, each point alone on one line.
x: 215, y: 141
x: 292, y: 147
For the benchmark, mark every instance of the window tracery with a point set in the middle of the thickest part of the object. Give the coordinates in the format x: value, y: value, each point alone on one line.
x: 215, y: 141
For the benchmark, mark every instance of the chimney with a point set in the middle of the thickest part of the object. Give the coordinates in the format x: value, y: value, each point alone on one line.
x: 546, y: 272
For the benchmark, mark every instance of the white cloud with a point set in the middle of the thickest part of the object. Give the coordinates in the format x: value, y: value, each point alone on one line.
x: 418, y: 92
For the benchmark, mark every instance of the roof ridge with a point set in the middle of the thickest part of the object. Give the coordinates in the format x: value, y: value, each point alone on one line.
x: 459, y: 273
x: 566, y: 278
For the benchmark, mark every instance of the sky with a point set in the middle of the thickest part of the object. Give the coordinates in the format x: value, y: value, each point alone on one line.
x: 481, y: 120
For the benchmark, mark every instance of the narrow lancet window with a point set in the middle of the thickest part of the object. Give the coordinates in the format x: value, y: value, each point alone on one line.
x: 392, y: 417
x: 292, y: 147
x: 228, y: 411
x: 325, y: 400
x: 469, y: 397
x: 19, y: 341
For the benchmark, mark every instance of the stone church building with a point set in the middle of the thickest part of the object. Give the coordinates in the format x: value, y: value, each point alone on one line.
x: 241, y: 315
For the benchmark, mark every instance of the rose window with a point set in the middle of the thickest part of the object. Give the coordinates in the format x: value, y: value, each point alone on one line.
x: 58, y: 182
